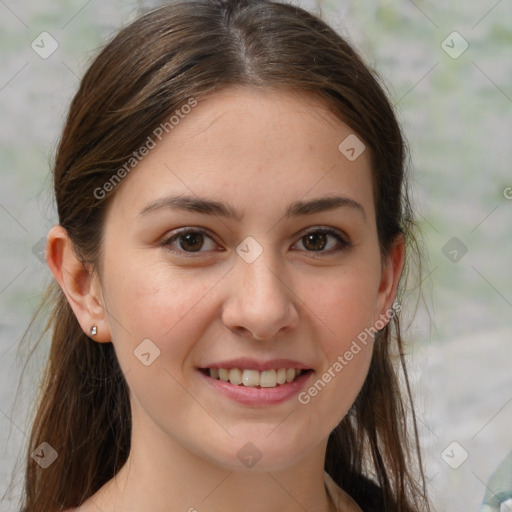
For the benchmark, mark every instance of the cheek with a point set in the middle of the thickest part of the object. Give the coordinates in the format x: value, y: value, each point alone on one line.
x: 348, y: 349
x: 153, y: 302
x: 349, y: 315
x: 346, y: 304
x: 156, y: 319
x: 343, y: 308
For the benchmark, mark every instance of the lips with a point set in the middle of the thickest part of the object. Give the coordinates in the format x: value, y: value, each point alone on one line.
x: 259, y: 396
x: 254, y: 381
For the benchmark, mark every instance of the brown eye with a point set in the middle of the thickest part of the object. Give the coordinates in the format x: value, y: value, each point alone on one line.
x: 190, y: 241
x: 318, y: 240
x: 315, y: 241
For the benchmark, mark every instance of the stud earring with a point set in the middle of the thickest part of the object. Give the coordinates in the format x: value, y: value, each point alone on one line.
x: 94, y: 330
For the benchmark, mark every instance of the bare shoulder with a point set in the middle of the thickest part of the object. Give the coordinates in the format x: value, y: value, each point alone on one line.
x: 342, y: 500
x: 85, y: 507
x: 99, y: 501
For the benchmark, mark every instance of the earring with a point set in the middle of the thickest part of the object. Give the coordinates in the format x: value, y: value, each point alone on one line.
x: 94, y: 330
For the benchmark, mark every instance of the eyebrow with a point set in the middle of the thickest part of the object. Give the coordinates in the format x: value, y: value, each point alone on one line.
x: 219, y: 208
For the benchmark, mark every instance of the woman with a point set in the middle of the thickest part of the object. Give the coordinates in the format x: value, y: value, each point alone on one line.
x: 233, y: 229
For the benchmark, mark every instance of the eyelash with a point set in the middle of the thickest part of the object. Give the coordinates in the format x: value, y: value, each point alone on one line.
x: 327, y: 231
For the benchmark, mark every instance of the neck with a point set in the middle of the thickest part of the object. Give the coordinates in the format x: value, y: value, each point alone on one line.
x: 162, y: 476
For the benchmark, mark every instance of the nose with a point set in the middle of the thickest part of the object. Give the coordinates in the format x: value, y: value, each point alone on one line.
x: 261, y: 303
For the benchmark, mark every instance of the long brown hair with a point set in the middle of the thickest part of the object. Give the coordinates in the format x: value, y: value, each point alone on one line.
x: 150, y: 69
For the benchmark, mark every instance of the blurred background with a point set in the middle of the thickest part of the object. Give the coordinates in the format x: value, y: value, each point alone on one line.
x: 448, y: 70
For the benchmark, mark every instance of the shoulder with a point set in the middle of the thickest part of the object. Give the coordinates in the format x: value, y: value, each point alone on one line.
x: 341, y: 500
x: 365, y: 495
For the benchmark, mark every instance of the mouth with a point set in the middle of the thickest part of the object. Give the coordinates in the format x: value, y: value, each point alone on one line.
x: 246, y: 377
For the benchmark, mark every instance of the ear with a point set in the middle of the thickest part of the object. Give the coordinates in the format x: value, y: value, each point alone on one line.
x: 79, y: 283
x: 390, y: 276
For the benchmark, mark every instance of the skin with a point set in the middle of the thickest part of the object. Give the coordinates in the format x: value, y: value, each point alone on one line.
x: 258, y: 151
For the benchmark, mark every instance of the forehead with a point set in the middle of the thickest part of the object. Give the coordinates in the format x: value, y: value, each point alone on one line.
x: 258, y: 147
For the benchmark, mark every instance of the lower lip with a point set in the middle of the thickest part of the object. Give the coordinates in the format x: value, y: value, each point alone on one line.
x: 258, y: 396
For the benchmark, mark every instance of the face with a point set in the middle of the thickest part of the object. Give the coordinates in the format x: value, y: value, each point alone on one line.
x: 190, y: 288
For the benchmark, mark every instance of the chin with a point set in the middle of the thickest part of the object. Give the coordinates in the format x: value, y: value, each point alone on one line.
x: 259, y: 455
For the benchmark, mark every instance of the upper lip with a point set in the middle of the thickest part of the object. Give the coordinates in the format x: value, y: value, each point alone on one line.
x: 255, y: 364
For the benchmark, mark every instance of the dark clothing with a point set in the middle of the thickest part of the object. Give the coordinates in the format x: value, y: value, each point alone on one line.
x: 368, y: 496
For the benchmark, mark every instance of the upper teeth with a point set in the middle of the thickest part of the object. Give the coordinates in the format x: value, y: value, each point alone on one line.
x: 254, y: 378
